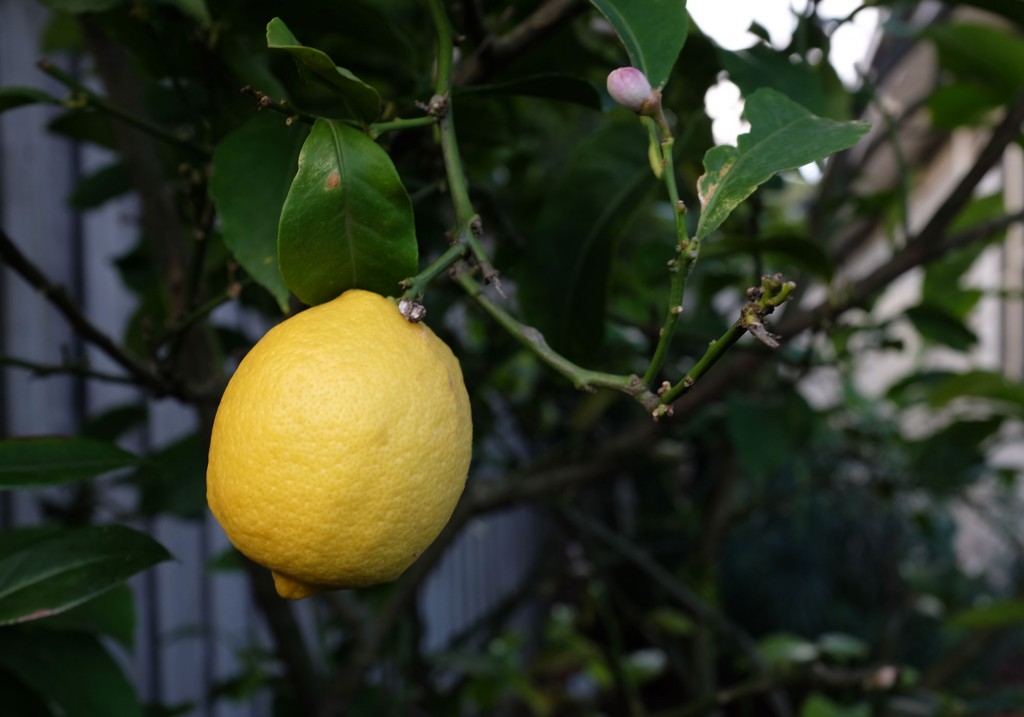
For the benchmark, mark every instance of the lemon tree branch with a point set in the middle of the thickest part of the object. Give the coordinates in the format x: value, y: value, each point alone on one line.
x: 468, y: 230
x: 534, y: 340
x: 467, y: 223
x: 84, y: 97
x: 11, y: 256
x: 687, y: 249
x: 764, y: 299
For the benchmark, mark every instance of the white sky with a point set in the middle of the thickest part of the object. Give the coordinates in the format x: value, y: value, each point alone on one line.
x: 727, y: 21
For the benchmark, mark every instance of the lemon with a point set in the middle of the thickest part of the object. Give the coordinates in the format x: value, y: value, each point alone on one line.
x: 340, y: 446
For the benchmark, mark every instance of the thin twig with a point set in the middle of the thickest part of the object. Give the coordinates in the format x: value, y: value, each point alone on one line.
x: 185, y: 323
x: 467, y: 222
x: 75, y: 368
x: 393, y: 125
x: 300, y: 671
x: 687, y: 248
x: 89, y: 98
x: 613, y: 453
x: 873, y: 679
x: 582, y: 378
x: 468, y: 228
x: 504, y: 49
x: 266, y: 102
x: 58, y: 297
x: 416, y: 285
x: 964, y: 654
x: 344, y: 686
x: 764, y: 299
x: 681, y: 593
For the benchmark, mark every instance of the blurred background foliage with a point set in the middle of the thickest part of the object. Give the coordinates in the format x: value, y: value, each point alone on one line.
x: 772, y: 549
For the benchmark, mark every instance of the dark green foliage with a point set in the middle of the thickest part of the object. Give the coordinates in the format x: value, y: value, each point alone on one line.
x: 769, y: 550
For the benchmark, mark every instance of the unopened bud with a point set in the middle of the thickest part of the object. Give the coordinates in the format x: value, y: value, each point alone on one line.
x: 630, y: 88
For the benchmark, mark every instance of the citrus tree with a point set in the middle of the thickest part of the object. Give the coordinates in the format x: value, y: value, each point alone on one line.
x: 636, y: 315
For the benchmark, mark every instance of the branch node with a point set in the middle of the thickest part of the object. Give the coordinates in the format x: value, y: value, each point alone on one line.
x: 437, y: 107
x: 412, y: 311
x: 662, y: 410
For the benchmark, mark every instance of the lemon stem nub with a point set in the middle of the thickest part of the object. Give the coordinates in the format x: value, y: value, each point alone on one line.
x: 292, y: 589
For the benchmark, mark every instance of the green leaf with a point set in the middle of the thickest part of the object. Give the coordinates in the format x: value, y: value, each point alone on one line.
x: 98, y: 188
x: 586, y: 209
x: 976, y: 384
x: 81, y: 6
x: 253, y: 167
x: 114, y: 422
x: 228, y: 560
x: 1012, y: 10
x: 938, y: 325
x: 817, y: 705
x: 111, y: 613
x: 67, y: 568
x: 815, y: 87
x: 61, y: 34
x: 71, y: 672
x: 842, y: 648
x: 20, y: 538
x: 783, y: 135
x: 551, y: 86
x: 31, y: 462
x: 791, y: 248
x: 653, y: 32
x: 361, y: 100
x: 783, y: 649
x: 994, y: 615
x: 954, y: 456
x: 19, y: 699
x: 173, y: 480
x: 85, y: 126
x: 944, y: 278
x: 197, y: 10
x: 999, y: 67
x: 672, y: 622
x: 11, y: 97
x: 347, y: 221
x: 767, y: 432
x: 958, y: 104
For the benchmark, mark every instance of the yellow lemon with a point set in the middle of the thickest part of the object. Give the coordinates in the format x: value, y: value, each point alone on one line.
x: 341, y: 446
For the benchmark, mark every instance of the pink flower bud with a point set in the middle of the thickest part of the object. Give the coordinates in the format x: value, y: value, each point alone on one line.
x: 630, y: 88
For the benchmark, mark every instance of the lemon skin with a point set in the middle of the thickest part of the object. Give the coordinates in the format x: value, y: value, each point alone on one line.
x: 341, y: 446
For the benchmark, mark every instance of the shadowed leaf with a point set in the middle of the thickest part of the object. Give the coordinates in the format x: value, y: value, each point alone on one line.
x: 937, y: 324
x: 252, y: 171
x: 30, y: 462
x: 585, y: 211
x: 80, y: 6
x: 994, y: 615
x: 12, y: 97
x: 52, y: 574
x: 98, y: 188
x: 71, y: 672
x: 111, y: 613
x: 552, y: 86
